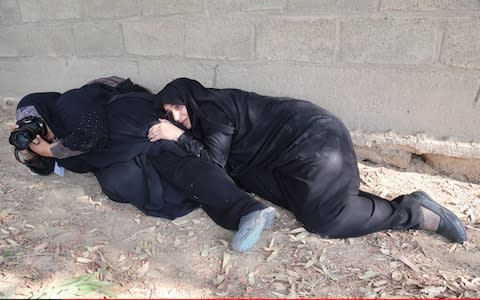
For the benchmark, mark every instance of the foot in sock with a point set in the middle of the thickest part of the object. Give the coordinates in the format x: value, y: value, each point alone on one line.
x: 439, y: 219
x: 251, y: 227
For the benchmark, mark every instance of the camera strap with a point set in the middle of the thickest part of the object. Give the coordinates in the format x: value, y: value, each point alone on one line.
x: 23, y: 160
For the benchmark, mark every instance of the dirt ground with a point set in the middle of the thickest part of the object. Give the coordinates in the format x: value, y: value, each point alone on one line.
x: 54, y: 229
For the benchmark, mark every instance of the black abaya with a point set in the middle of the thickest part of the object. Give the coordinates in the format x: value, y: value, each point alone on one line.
x: 112, y: 127
x: 114, y: 136
x: 290, y: 152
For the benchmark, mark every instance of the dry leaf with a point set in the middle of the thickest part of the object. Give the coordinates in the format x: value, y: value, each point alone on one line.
x: 367, y: 275
x: 83, y: 260
x: 251, y: 278
x: 322, y: 257
x: 204, y: 252
x: 293, y: 274
x: 397, y: 276
x: 278, y: 286
x: 177, y: 242
x: 279, y: 295
x: 224, y: 243
x: 385, y: 251
x: 143, y: 269
x: 473, y: 285
x: 380, y: 283
x: 301, y: 235
x: 180, y: 222
x: 297, y: 230
x: 219, y: 279
x: 270, y: 246
x: 11, y: 242
x: 328, y: 273
x: 93, y: 230
x: 41, y: 247
x: 471, y: 215
x: 452, y: 249
x: 407, y: 262
x: 292, y: 293
x: 433, y: 291
x: 226, y: 259
x: 273, y: 255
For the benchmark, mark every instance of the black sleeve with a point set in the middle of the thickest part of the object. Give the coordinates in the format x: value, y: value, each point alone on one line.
x: 214, y: 149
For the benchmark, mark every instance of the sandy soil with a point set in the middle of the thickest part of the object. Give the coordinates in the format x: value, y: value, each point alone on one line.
x: 57, y: 228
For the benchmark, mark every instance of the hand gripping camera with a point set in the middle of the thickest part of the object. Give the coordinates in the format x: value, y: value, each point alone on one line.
x: 28, y: 128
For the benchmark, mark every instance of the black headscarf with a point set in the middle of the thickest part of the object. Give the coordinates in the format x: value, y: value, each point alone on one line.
x: 77, y: 117
x: 193, y: 95
x: 44, y: 103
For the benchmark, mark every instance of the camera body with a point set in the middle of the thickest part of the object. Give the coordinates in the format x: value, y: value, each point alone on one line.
x: 28, y: 128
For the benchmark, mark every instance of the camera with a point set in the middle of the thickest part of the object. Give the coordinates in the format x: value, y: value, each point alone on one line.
x: 28, y: 128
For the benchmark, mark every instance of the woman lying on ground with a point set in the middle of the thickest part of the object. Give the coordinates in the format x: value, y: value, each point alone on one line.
x: 293, y: 154
x: 102, y: 128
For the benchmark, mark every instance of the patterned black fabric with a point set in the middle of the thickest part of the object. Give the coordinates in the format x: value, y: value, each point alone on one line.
x: 114, y: 136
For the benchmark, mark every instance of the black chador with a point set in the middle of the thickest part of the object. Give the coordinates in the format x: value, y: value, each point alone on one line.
x: 109, y: 127
x: 290, y: 152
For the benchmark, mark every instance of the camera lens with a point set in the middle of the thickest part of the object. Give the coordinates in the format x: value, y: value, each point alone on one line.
x: 28, y: 128
x: 21, y: 139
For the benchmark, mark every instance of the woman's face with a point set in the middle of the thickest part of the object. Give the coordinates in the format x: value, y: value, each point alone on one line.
x: 179, y: 114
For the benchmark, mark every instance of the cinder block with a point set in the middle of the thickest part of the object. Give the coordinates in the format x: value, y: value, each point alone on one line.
x: 169, y: 7
x: 24, y: 76
x: 371, y: 99
x: 222, y: 7
x: 296, y: 40
x: 155, y: 74
x: 87, y: 69
x: 98, y: 39
x: 9, y: 12
x: 219, y: 38
x: 162, y: 37
x: 316, y: 6
x: 112, y: 8
x: 461, y: 47
x: 425, y: 5
x: 35, y: 40
x: 387, y: 40
x: 263, y: 5
x: 30, y: 75
x: 36, y: 10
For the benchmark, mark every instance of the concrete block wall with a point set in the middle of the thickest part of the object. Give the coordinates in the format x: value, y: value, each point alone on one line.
x: 404, y: 66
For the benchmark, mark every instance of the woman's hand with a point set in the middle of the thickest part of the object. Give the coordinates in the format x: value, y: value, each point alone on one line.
x: 164, y: 130
x: 41, y: 147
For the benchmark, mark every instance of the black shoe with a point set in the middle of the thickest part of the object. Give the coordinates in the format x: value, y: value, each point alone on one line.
x: 450, y: 225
